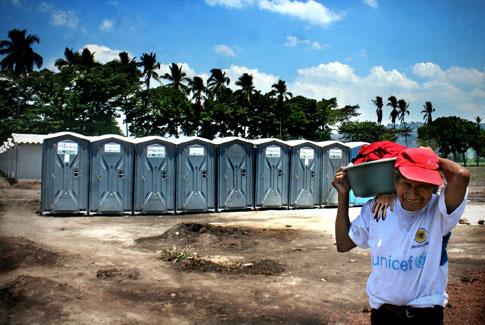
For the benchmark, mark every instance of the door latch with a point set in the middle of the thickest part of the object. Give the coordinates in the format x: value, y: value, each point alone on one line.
x: 121, y: 173
x: 76, y: 172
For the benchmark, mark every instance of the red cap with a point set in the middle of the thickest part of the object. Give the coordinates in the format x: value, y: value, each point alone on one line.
x: 420, y: 165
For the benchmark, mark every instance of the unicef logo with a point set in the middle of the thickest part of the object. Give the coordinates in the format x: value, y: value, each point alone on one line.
x: 421, y: 235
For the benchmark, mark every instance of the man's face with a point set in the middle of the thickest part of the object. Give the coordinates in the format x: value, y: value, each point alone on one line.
x: 413, y: 195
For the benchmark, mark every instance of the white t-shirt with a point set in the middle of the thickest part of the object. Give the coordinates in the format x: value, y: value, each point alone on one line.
x: 406, y: 252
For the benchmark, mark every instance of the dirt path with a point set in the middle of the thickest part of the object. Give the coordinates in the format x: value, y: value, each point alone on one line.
x: 256, y: 267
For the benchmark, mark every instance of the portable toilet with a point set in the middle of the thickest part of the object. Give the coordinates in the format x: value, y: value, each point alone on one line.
x: 154, y: 191
x: 195, y: 175
x: 305, y: 170
x: 272, y: 173
x: 335, y: 154
x: 65, y: 174
x: 111, y: 180
x: 353, y: 151
x: 235, y: 176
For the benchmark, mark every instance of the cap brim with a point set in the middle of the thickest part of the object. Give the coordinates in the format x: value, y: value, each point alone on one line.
x: 421, y: 175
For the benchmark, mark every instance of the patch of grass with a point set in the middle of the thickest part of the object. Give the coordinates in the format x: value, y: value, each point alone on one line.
x: 174, y: 255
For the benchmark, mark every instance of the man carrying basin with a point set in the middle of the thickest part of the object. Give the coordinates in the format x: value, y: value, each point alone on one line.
x: 407, y: 284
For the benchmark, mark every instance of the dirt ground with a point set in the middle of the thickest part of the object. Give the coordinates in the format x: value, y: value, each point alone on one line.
x: 253, y: 267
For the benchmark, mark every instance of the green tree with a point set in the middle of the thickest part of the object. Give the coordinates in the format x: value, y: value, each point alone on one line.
x: 453, y: 135
x: 128, y: 77
x: 279, y: 91
x: 245, y: 82
x: 149, y: 64
x: 176, y: 78
x: 403, y: 110
x: 19, y: 57
x: 366, y: 131
x: 478, y: 141
x: 242, y: 109
x: 217, y: 83
x: 197, y: 89
x: 165, y: 114
x: 428, y: 111
x: 392, y: 101
x: 379, y: 104
x: 71, y: 59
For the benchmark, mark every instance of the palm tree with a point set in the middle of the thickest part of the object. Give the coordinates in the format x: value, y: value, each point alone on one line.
x: 126, y: 62
x: 247, y: 87
x: 280, y: 91
x: 379, y: 103
x: 176, y: 78
x: 149, y: 64
x: 394, y: 113
x: 403, y: 110
x: 428, y: 110
x: 217, y: 82
x: 19, y: 58
x: 197, y: 88
x: 87, y: 58
x: 71, y: 59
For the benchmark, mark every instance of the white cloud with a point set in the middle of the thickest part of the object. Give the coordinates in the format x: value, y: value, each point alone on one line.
x: 190, y: 73
x: 372, y: 3
x: 59, y: 17
x: 467, y: 76
x: 380, y: 77
x: 328, y: 73
x: 65, y: 18
x: 293, y: 41
x: 107, y: 25
x: 103, y: 54
x: 310, y: 11
x: 225, y: 50
x: 16, y: 3
x: 449, y: 96
x: 262, y: 81
x: 45, y: 7
x: 427, y: 70
x: 238, y: 4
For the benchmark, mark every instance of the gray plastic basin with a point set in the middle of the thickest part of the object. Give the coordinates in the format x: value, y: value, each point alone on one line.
x: 372, y: 178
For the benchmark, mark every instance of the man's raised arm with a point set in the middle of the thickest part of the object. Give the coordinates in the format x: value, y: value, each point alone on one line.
x: 342, y: 222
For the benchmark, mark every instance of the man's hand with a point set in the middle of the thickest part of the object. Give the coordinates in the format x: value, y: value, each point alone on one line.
x: 381, y: 203
x: 341, y: 182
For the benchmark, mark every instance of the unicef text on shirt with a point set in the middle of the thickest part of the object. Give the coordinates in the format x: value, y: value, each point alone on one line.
x: 399, y: 265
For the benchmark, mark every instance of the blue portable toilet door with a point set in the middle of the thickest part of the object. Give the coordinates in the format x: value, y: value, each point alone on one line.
x: 336, y: 157
x: 235, y: 168
x: 68, y: 176
x: 273, y: 177
x: 305, y: 169
x: 111, y: 180
x: 195, y: 189
x: 153, y: 196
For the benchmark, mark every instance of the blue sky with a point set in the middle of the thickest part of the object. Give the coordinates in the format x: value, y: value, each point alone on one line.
x: 350, y: 49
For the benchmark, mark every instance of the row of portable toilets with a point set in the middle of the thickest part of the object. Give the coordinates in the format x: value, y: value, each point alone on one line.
x: 154, y: 175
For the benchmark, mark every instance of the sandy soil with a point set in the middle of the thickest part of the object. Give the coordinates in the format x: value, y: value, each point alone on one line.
x: 254, y: 267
